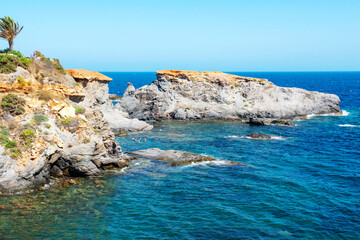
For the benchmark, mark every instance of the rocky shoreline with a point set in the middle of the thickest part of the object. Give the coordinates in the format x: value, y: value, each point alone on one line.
x: 60, y: 124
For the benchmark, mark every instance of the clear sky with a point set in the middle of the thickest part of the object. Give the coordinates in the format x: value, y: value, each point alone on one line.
x: 227, y: 35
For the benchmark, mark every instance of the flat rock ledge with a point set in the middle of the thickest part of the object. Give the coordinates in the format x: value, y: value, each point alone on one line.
x: 174, y: 157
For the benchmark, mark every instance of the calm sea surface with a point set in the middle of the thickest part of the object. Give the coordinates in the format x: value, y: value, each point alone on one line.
x: 304, y: 185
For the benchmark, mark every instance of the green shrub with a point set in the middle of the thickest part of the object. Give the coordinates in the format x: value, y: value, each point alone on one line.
x: 10, y: 145
x: 3, y: 139
x: 244, y: 100
x: 65, y: 121
x: 28, y: 136
x: 79, y: 110
x: 4, y: 131
x: 188, y: 108
x: 47, y: 125
x: 13, y: 104
x: 8, y: 63
x: 75, y: 84
x: 39, y: 118
x: 21, y: 81
x: 86, y: 140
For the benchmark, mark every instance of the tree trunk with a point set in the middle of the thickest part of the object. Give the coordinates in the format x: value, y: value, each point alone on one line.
x: 11, y: 46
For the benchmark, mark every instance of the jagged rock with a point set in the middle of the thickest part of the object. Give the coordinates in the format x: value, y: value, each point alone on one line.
x: 66, y: 144
x: 175, y: 158
x: 270, y: 121
x: 216, y: 95
x: 96, y: 88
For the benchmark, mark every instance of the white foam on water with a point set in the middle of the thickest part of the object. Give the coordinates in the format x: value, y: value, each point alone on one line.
x: 278, y: 138
x: 210, y: 163
x: 247, y: 137
x: 348, y: 125
x: 344, y: 113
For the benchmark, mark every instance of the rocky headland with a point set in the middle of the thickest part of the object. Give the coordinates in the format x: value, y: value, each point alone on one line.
x: 216, y: 95
x: 61, y: 124
x: 56, y: 123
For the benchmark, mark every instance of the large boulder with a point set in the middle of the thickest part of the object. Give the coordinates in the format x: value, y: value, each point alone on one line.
x: 120, y: 122
x: 216, y: 95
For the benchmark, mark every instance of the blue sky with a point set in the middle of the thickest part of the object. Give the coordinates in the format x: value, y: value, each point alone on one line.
x: 227, y: 35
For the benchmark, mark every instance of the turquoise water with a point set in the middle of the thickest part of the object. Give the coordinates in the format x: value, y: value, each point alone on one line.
x: 304, y: 185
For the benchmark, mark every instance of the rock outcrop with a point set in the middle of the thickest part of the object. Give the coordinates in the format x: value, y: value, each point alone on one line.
x: 45, y: 134
x: 96, y: 89
x: 174, y: 157
x: 216, y: 95
x: 261, y: 136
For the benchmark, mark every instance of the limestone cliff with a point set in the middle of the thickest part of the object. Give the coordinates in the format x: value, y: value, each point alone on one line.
x: 217, y: 95
x: 46, y: 131
x: 96, y: 90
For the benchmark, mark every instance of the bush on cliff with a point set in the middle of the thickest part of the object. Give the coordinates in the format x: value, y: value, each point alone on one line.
x: 54, y: 62
x: 13, y: 104
x: 28, y: 136
x: 40, y: 118
x: 8, y: 63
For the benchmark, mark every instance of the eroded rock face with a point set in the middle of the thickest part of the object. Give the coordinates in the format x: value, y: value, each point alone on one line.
x: 216, y: 95
x: 174, y: 157
x: 63, y: 143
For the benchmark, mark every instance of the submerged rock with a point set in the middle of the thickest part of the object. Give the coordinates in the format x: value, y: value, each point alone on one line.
x: 216, y: 95
x: 174, y: 157
x: 255, y: 135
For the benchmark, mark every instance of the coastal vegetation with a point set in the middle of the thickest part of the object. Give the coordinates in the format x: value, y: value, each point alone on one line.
x: 54, y: 62
x: 9, y: 62
x: 13, y: 104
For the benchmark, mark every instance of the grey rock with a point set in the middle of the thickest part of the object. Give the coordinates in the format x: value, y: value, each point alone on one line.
x: 270, y: 121
x: 13, y: 77
x: 175, y: 158
x: 255, y: 135
x: 214, y: 95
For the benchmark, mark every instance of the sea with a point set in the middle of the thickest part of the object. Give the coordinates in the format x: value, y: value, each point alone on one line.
x: 304, y: 184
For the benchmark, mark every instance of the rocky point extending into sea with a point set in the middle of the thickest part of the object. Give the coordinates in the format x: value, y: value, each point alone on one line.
x: 58, y: 124
x: 216, y: 95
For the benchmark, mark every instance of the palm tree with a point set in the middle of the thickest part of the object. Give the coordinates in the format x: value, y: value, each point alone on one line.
x: 9, y: 29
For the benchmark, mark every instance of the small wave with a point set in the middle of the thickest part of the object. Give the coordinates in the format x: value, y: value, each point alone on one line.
x: 348, y: 125
x: 247, y: 137
x: 210, y: 163
x: 344, y: 113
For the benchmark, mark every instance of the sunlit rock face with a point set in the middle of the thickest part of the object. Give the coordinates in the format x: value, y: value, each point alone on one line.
x: 44, y: 133
x: 217, y: 95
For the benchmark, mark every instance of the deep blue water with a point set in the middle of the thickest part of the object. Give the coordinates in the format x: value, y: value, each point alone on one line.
x: 305, y: 185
